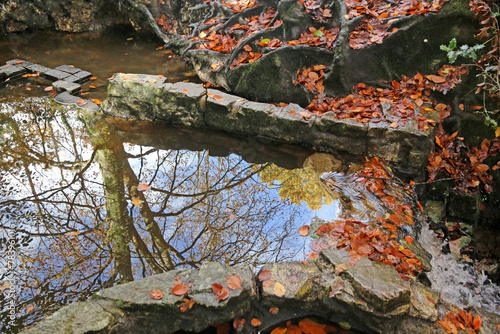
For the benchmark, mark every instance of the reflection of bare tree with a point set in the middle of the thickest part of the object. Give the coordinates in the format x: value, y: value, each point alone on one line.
x: 78, y: 200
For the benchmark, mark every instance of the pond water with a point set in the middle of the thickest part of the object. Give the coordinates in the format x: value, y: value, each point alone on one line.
x: 74, y: 183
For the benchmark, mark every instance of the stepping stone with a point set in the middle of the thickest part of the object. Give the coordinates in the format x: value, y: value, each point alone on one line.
x: 79, y: 77
x: 68, y: 69
x: 67, y: 98
x: 55, y: 75
x: 38, y: 68
x: 23, y: 63
x: 67, y: 86
x: 10, y: 71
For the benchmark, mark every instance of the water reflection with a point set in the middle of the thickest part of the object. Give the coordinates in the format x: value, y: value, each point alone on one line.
x: 88, y: 207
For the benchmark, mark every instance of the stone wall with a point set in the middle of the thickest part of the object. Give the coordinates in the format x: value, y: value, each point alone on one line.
x: 148, y: 97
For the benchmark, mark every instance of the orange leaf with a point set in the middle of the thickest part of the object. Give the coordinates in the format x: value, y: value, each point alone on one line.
x: 304, y: 231
x: 256, y: 322
x: 436, y: 78
x: 92, y: 78
x: 143, y: 187
x: 218, y: 98
x: 92, y: 86
x: 409, y: 240
x: 310, y: 326
x: 497, y: 132
x: 279, y: 330
x: 274, y: 310
x: 233, y: 282
x: 292, y: 112
x: 279, y: 289
x: 477, y: 322
x: 265, y: 275
x: 48, y: 89
x: 394, y: 125
x: 448, y: 326
x: 29, y: 308
x: 96, y: 101
x: 180, y: 289
x: 238, y: 324
x: 156, y: 294
x: 185, y: 91
x: 188, y: 303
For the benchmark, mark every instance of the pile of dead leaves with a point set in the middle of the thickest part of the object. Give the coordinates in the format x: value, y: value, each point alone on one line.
x: 377, y: 22
x: 247, y: 56
x: 318, y: 13
x: 306, y: 326
x: 318, y: 37
x: 465, y: 164
x: 360, y: 239
x: 240, y: 5
x: 452, y: 322
x: 312, y: 78
x: 408, y: 99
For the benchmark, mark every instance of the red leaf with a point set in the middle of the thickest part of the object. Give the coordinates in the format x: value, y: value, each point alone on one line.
x: 156, y: 294
x: 256, y: 322
x: 217, y: 289
x: 224, y: 294
x: 304, y: 231
x: 180, y: 290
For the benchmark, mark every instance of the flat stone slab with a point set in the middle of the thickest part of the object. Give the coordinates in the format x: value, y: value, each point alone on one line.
x: 67, y: 86
x: 38, y: 68
x: 79, y: 77
x: 67, y: 98
x: 68, y: 69
x: 55, y: 75
x: 10, y: 71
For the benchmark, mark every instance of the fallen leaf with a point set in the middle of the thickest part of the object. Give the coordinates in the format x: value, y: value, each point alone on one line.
x: 304, y: 231
x: 265, y: 275
x: 436, y: 78
x: 274, y: 310
x: 96, y: 101
x: 48, y: 88
x: 497, y: 132
x: 29, y: 308
x: 92, y: 86
x: 180, y: 289
x: 394, y: 125
x: 409, y: 240
x: 156, y: 294
x: 218, y: 97
x: 82, y: 102
x: 233, y: 282
x: 28, y: 88
x: 477, y: 322
x: 336, y: 288
x: 310, y: 326
x: 268, y: 283
x: 238, y: 324
x: 279, y: 289
x: 150, y: 80
x: 256, y: 322
x: 340, y: 268
x: 217, y: 288
x: 92, y: 78
x: 185, y: 91
x: 279, y: 330
x: 143, y: 187
x: 187, y: 304
x: 224, y: 294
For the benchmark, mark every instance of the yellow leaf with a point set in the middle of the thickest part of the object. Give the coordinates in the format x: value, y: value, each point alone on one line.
x: 137, y: 202
x: 497, y: 132
x: 279, y: 289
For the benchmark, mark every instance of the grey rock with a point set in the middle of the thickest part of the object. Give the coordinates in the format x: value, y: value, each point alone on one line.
x: 70, y: 87
x: 68, y: 69
x: 55, y: 75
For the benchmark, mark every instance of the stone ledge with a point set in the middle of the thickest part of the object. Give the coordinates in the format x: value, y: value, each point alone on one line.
x: 148, y: 97
x: 370, y: 301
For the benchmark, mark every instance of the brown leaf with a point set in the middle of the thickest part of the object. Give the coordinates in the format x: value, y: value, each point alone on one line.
x: 224, y: 294
x: 274, y: 310
x: 233, y: 282
x: 180, y: 289
x: 156, y: 294
x: 268, y: 283
x: 187, y: 304
x: 29, y: 308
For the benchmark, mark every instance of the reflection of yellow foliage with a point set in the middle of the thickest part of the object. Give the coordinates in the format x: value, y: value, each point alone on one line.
x: 298, y: 185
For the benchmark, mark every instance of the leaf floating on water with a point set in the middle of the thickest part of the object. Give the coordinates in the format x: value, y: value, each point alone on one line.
x: 180, y: 290
x: 304, y: 231
x: 233, y: 282
x: 143, y: 187
x: 156, y: 294
x: 92, y: 86
x: 48, y: 88
x: 96, y: 101
x: 92, y: 78
x: 279, y: 289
